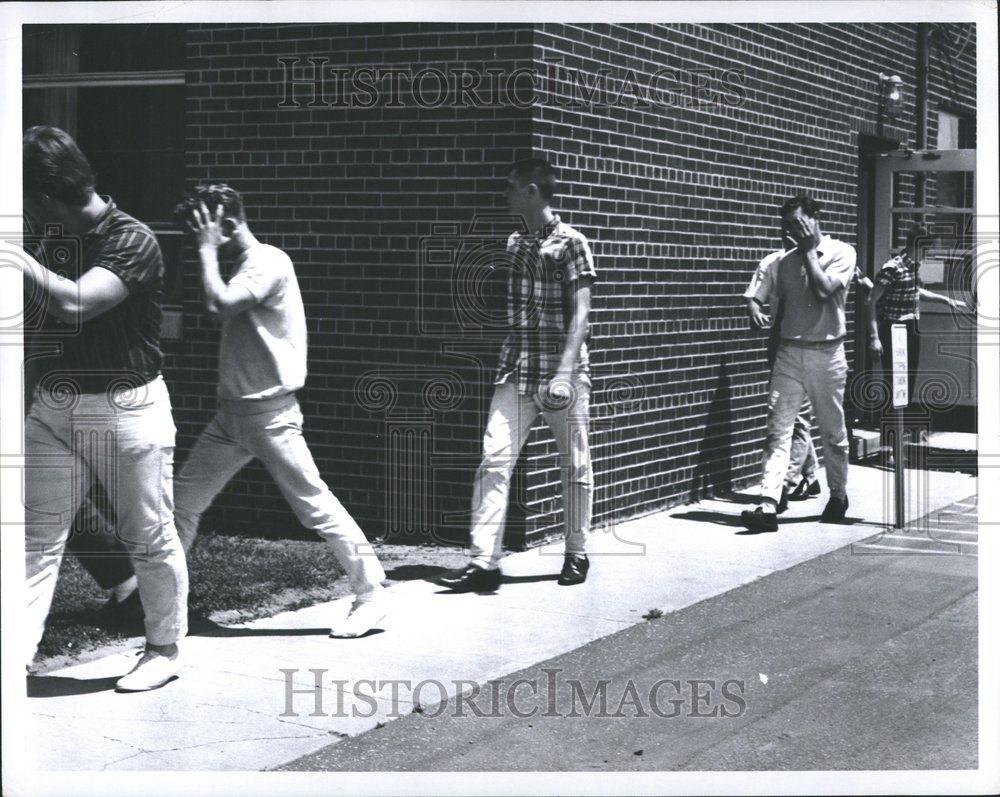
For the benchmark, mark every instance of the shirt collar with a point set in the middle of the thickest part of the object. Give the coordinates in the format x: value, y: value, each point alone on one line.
x: 243, y: 256
x: 547, y: 229
x: 550, y: 226
x: 102, y: 221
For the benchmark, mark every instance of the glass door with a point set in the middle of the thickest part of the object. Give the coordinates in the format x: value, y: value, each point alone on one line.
x: 935, y: 188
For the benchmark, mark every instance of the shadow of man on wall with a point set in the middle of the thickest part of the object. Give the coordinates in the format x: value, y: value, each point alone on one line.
x: 713, y: 464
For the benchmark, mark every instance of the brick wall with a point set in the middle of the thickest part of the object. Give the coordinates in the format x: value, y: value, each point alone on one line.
x: 350, y: 193
x: 678, y: 203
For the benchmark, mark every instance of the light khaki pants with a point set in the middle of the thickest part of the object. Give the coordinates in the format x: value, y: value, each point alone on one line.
x: 271, y: 430
x: 819, y: 373
x: 125, y: 439
x: 510, y: 418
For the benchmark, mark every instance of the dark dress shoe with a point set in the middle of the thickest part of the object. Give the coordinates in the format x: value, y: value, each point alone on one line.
x: 782, y: 502
x: 574, y: 570
x: 805, y: 489
x: 759, y: 520
x: 126, y: 612
x: 836, y: 510
x: 471, y: 579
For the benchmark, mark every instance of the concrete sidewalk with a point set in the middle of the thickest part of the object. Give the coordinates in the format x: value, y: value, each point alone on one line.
x: 224, y: 713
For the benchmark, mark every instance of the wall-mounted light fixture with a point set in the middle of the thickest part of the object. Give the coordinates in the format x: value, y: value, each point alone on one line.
x: 890, y: 95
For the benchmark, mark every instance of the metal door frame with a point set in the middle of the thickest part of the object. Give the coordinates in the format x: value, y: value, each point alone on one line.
x: 879, y: 237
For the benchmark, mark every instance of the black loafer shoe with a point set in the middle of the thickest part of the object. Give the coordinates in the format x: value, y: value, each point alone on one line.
x: 126, y: 612
x: 574, y: 570
x: 759, y: 520
x: 804, y: 489
x: 471, y: 579
x: 836, y: 510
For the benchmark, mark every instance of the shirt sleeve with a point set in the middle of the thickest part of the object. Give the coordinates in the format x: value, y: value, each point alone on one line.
x: 887, y: 274
x: 841, y: 265
x: 579, y: 260
x: 259, y: 275
x: 765, y: 291
x: 134, y: 257
x: 759, y: 275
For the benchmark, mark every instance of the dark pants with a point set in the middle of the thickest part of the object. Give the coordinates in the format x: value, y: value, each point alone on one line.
x: 914, y: 415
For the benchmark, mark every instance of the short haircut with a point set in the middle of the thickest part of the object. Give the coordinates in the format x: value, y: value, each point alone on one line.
x: 212, y: 196
x: 538, y: 171
x: 54, y: 166
x: 916, y: 233
x: 808, y: 205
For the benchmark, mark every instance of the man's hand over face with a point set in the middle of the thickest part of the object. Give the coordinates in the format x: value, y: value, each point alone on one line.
x: 208, y: 228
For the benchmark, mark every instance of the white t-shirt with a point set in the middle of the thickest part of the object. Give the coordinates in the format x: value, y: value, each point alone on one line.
x: 263, y: 350
x: 781, y: 279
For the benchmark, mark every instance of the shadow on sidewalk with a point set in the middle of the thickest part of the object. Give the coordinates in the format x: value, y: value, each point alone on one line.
x: 734, y: 521
x: 414, y: 572
x: 529, y: 579
x: 59, y: 686
x: 507, y: 580
x: 216, y: 630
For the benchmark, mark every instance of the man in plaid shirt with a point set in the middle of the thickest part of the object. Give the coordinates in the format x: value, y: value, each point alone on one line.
x: 895, y: 299
x: 543, y: 369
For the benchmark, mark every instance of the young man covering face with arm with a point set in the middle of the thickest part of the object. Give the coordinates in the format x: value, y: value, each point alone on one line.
x: 262, y: 363
x: 809, y: 283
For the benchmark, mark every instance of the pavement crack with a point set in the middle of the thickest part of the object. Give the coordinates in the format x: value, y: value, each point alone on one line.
x: 277, y: 717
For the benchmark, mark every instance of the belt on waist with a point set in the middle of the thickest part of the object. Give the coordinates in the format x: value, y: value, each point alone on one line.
x: 254, y: 406
x: 812, y: 344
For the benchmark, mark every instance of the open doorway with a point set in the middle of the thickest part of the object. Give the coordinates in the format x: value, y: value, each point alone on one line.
x: 902, y: 190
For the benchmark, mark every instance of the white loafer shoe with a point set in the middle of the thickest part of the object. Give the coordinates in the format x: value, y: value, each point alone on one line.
x: 153, y: 671
x: 363, y: 617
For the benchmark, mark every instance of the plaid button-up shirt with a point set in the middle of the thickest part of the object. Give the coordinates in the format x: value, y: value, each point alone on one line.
x: 540, y: 292
x: 901, y: 285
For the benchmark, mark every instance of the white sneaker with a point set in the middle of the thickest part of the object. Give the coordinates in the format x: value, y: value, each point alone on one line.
x: 365, y: 614
x: 153, y: 671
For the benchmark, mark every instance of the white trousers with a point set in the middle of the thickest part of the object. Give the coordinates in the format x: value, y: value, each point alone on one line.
x: 510, y: 418
x: 124, y: 439
x: 818, y: 373
x: 271, y: 431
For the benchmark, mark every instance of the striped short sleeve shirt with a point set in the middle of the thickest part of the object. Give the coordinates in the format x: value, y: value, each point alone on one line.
x: 120, y: 347
x: 540, y: 289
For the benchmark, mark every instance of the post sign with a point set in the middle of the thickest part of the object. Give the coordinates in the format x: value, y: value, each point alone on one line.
x: 900, y: 386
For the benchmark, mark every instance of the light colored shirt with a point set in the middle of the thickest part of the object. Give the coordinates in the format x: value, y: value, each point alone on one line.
x: 263, y: 350
x: 781, y: 281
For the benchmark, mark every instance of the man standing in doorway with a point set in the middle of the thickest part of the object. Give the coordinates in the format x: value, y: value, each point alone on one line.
x: 807, y: 287
x: 895, y: 299
x: 544, y: 369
